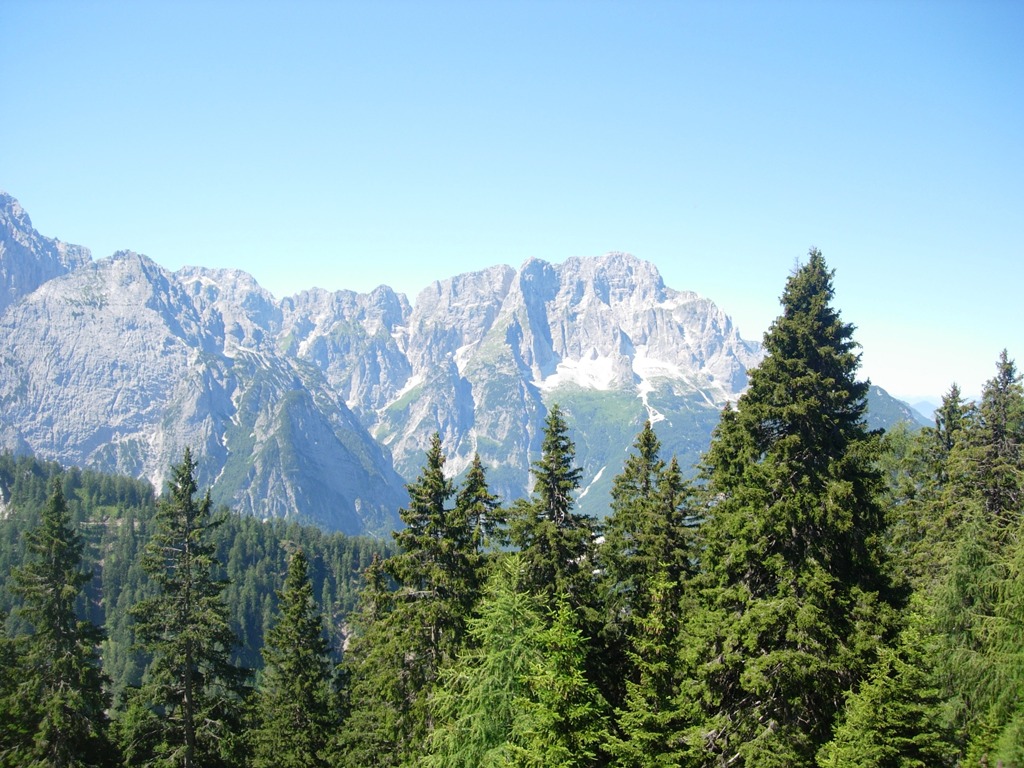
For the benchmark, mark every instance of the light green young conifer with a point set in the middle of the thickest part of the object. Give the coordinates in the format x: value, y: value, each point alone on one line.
x: 483, y: 692
x: 896, y: 718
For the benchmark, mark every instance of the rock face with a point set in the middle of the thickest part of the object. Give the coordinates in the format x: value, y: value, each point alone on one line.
x: 489, y: 351
x: 121, y: 365
x: 27, y: 259
x: 318, y: 405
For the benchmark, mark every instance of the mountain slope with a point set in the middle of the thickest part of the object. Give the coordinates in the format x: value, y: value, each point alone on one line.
x: 319, y: 404
x: 603, y: 337
x: 121, y: 365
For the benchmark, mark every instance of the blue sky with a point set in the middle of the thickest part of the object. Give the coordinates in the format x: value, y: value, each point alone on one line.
x: 345, y: 145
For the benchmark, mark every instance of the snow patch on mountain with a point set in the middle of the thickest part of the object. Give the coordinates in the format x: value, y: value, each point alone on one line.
x: 592, y: 483
x: 463, y: 356
x: 414, y: 381
x: 594, y: 371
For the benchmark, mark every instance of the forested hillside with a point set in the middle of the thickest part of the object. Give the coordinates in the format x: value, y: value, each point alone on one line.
x: 115, y: 517
x: 822, y: 595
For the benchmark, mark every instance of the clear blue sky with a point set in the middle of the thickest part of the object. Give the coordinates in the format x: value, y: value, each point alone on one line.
x: 346, y: 145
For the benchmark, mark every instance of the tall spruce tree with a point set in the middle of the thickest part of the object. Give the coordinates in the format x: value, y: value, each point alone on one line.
x: 978, y: 603
x: 647, y: 541
x: 557, y: 542
x: 406, y: 636
x: 634, y: 547
x: 187, y: 713
x: 381, y: 690
x: 794, y: 593
x: 483, y: 518
x: 950, y: 419
x: 990, y: 461
x: 294, y: 702
x: 647, y: 538
x: 434, y: 565
x: 649, y: 726
x: 58, y: 694
x: 923, y: 512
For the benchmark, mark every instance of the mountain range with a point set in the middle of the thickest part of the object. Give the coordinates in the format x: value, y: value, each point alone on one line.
x: 320, y: 405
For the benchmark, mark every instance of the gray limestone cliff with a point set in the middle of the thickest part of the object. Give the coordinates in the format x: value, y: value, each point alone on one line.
x: 27, y: 259
x: 320, y: 405
x: 121, y: 365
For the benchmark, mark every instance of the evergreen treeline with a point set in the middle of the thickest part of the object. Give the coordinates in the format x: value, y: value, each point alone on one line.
x: 91, y: 531
x: 821, y: 595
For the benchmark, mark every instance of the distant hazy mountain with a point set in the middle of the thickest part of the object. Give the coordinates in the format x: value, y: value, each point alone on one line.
x: 318, y: 405
x: 885, y: 410
x: 926, y: 408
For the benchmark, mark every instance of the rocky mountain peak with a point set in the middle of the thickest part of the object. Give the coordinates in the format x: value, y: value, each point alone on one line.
x: 246, y: 315
x: 11, y: 210
x: 454, y: 314
x: 385, y: 308
x: 307, y: 406
x: 27, y: 259
x: 614, y: 278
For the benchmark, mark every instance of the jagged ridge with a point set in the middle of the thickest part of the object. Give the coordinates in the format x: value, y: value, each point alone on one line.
x: 307, y: 405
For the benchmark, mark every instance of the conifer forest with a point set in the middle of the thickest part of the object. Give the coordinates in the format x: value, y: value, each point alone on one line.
x: 818, y: 594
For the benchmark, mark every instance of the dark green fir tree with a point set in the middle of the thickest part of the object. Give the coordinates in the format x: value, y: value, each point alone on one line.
x: 649, y: 728
x: 58, y: 700
x: 483, y: 520
x: 295, y: 712
x: 923, y: 523
x: 989, y: 461
x: 556, y: 541
x: 951, y: 417
x: 406, y: 635
x: 434, y: 565
x: 647, y: 539
x: 187, y: 713
x: 381, y: 691
x: 794, y: 593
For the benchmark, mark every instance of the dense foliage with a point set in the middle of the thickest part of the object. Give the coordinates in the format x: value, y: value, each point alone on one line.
x: 295, y: 711
x: 187, y: 711
x: 113, y: 519
x: 822, y: 595
x: 57, y: 707
x: 793, y: 591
